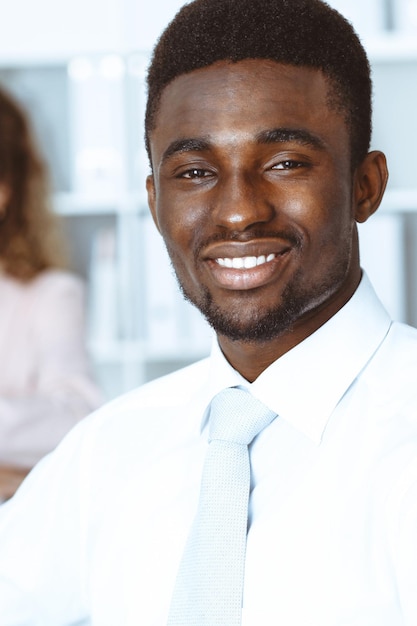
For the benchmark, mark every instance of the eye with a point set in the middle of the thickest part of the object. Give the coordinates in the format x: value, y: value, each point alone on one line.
x: 195, y: 173
x: 288, y: 164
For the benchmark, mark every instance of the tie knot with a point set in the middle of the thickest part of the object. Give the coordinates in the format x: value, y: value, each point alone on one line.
x: 237, y: 416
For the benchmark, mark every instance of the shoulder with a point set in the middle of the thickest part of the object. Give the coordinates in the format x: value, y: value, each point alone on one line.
x: 172, y: 390
x: 142, y: 421
x: 395, y: 363
x: 155, y: 406
x: 391, y: 391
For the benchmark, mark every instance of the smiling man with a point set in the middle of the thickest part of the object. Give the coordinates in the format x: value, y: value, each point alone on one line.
x: 276, y: 481
x: 254, y: 194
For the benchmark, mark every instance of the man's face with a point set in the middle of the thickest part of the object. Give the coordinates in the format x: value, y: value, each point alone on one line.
x: 252, y: 192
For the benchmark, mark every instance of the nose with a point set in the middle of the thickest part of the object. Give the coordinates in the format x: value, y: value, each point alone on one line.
x: 241, y: 202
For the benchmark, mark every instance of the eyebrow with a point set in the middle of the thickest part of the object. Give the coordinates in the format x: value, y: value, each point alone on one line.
x: 185, y: 145
x: 290, y: 135
x: 270, y: 136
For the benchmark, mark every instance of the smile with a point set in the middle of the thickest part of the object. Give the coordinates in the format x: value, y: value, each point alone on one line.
x: 246, y: 262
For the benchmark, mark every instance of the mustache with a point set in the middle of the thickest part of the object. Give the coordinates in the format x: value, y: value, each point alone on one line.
x: 292, y: 237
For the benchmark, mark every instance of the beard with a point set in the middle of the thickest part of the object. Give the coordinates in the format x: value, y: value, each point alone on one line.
x: 260, y: 326
x: 244, y: 320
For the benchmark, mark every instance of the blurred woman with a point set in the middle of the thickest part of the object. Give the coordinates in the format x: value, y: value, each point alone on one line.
x: 45, y: 381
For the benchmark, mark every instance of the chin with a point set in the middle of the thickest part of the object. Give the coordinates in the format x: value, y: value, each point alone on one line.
x: 247, y: 322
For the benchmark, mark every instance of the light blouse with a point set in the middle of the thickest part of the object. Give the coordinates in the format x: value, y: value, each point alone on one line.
x: 45, y: 381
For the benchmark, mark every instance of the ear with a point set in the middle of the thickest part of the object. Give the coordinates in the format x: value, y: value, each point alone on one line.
x: 150, y: 188
x: 370, y: 180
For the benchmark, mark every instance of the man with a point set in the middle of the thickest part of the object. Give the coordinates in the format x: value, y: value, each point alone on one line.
x: 258, y: 129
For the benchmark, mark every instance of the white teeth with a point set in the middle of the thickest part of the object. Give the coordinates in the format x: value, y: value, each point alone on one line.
x: 250, y: 261
x: 238, y: 263
x: 245, y: 262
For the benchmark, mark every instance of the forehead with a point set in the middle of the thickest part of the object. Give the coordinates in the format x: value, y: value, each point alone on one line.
x: 249, y: 95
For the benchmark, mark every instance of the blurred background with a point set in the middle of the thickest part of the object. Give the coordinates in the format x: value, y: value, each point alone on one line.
x: 78, y: 67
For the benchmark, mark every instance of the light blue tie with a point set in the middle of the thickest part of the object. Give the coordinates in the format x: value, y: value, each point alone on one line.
x: 209, y: 585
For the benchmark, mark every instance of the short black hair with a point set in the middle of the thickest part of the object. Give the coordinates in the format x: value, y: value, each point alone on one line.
x: 305, y: 33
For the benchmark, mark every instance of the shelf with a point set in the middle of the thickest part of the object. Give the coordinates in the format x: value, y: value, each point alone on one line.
x: 68, y: 203
x: 386, y: 47
x: 11, y: 61
x: 390, y: 48
x: 138, y: 352
x: 117, y: 351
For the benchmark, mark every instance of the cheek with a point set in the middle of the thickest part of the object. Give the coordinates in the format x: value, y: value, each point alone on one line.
x: 326, y: 220
x: 179, y: 221
x: 335, y: 212
x: 335, y: 232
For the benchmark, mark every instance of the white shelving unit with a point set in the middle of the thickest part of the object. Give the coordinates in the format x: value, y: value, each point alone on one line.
x: 85, y: 92
x: 87, y: 111
x: 389, y: 238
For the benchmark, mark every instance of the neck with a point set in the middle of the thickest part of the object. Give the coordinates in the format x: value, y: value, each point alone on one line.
x: 251, y: 358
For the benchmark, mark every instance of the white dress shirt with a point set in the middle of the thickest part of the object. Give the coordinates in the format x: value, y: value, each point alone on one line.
x: 45, y: 379
x: 96, y: 532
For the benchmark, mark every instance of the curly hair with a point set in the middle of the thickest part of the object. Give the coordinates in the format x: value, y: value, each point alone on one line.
x: 296, y: 32
x: 30, y: 240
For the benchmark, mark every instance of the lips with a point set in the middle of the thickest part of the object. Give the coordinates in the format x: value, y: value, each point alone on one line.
x: 246, y: 265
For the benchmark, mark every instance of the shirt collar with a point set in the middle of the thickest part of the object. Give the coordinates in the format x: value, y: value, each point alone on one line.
x: 305, y: 384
